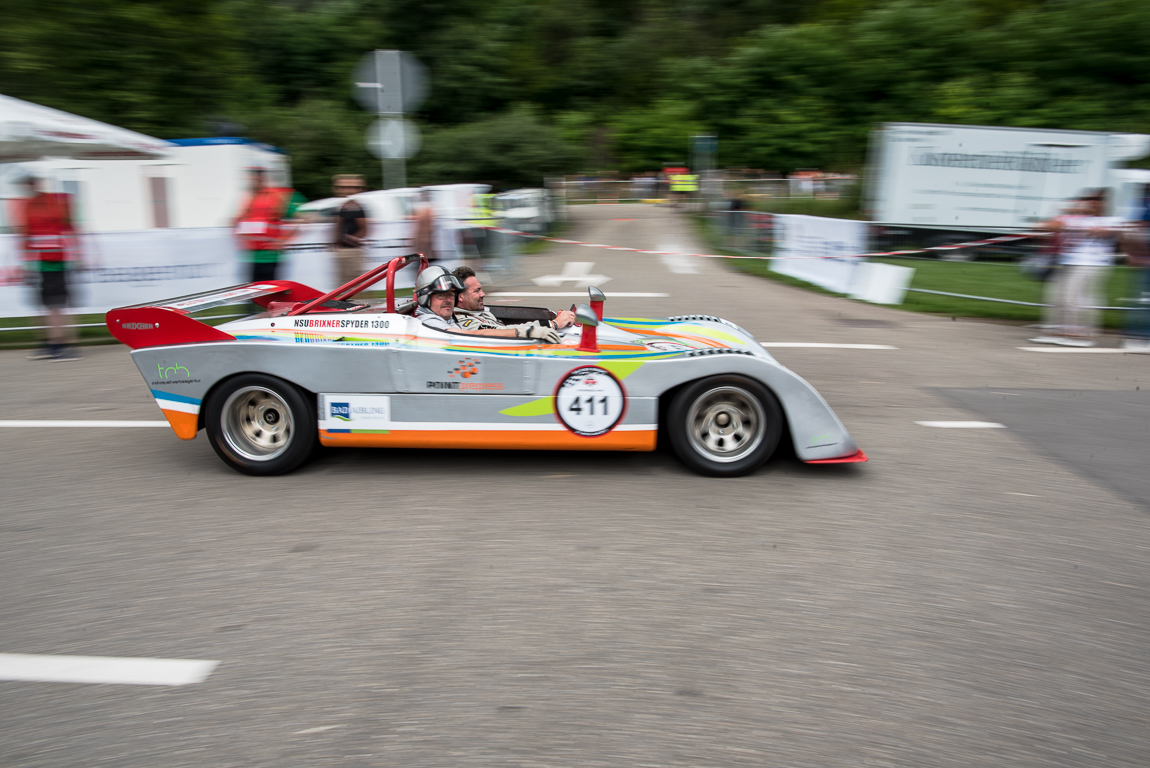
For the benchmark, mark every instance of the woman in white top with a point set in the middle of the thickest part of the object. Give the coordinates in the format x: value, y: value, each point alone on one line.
x: 1087, y: 251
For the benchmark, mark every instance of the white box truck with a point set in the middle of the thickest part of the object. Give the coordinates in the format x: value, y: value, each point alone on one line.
x: 983, y: 179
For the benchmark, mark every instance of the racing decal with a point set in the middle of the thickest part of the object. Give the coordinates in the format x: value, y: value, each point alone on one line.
x: 170, y: 402
x: 173, y: 374
x: 466, y: 386
x: 172, y: 371
x: 589, y: 401
x: 355, y: 413
x: 666, y: 345
x: 466, y: 368
x: 820, y: 441
x: 182, y: 413
x: 545, y: 406
x: 339, y: 322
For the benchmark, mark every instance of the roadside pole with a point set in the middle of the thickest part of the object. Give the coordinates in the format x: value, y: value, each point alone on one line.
x: 391, y: 84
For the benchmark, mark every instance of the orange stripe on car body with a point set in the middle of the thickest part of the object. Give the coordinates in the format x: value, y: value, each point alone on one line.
x: 185, y: 425
x: 641, y: 440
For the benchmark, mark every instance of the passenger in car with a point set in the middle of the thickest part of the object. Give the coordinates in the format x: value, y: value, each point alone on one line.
x: 435, y: 291
x: 471, y: 314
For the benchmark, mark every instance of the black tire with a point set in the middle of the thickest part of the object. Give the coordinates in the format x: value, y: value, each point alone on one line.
x: 724, y: 426
x: 261, y: 425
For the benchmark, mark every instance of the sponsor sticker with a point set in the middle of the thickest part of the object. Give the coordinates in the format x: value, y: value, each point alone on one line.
x: 339, y: 323
x: 590, y: 401
x: 356, y: 413
x: 666, y: 345
x: 173, y: 374
x: 467, y: 368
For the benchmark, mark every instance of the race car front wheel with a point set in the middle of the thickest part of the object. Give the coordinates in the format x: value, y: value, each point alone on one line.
x: 724, y: 426
x: 260, y: 425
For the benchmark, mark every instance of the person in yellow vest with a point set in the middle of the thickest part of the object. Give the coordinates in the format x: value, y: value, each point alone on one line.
x: 680, y: 188
x: 690, y: 186
x: 484, y: 217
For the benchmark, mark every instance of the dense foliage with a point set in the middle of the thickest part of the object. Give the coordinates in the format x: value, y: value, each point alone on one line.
x: 526, y: 88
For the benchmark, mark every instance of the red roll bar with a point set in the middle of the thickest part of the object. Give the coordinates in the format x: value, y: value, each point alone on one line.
x: 365, y: 281
x: 392, y: 267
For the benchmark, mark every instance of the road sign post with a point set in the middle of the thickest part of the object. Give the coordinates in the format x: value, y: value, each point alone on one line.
x: 391, y: 83
x: 703, y: 149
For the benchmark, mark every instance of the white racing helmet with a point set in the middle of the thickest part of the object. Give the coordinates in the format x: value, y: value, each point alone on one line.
x: 434, y: 279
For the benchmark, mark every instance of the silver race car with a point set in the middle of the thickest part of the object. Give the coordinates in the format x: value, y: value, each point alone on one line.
x: 318, y: 369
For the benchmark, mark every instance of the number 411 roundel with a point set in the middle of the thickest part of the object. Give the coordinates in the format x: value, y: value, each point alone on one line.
x: 589, y: 401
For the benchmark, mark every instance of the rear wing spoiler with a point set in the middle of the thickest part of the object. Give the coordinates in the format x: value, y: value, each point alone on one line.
x: 169, y: 321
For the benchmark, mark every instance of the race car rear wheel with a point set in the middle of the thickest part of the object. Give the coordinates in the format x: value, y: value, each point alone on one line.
x: 261, y: 425
x: 724, y: 426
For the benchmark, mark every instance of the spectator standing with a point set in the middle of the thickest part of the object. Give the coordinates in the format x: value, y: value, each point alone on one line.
x: 263, y: 227
x: 350, y: 228
x: 1138, y: 253
x: 425, y: 225
x: 735, y: 208
x: 1088, y: 239
x: 48, y: 234
x: 1048, y: 267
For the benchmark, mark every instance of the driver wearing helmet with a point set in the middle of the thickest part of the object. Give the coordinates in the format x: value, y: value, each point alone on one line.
x: 435, y: 291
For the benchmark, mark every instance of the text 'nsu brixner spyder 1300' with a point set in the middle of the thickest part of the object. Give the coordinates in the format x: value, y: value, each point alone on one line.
x: 319, y: 369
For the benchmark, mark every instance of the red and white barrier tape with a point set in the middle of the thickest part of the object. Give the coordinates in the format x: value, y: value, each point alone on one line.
x: 989, y: 241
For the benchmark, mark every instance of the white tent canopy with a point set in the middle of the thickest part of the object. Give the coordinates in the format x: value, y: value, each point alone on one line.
x: 30, y: 132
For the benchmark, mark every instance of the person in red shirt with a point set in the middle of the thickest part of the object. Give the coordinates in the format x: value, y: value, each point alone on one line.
x: 263, y: 227
x: 45, y: 222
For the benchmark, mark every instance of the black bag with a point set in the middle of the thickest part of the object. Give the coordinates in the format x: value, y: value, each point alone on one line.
x: 1040, y: 266
x: 1043, y: 264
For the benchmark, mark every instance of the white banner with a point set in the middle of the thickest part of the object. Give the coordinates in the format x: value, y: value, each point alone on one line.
x: 123, y: 268
x: 820, y: 250
x: 970, y: 176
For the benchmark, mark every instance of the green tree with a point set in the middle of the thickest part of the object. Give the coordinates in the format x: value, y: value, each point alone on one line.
x: 158, y: 66
x: 514, y: 149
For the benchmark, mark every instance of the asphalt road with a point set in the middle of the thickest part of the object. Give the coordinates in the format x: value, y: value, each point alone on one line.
x: 970, y: 597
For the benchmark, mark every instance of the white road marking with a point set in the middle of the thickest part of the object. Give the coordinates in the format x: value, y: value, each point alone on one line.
x: 679, y: 264
x: 962, y: 424
x: 320, y: 729
x: 822, y: 345
x: 1016, y: 493
x: 578, y: 272
x: 1078, y: 350
x: 37, y: 424
x: 572, y: 294
x: 103, y: 669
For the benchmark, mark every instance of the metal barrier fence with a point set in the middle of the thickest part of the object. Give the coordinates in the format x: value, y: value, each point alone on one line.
x: 711, y: 186
x: 754, y: 233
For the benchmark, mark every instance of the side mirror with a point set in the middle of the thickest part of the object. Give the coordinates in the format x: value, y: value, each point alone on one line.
x: 584, y: 315
x: 596, y: 294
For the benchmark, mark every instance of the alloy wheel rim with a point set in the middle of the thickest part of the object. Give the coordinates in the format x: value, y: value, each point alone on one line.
x: 257, y: 423
x: 726, y: 424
